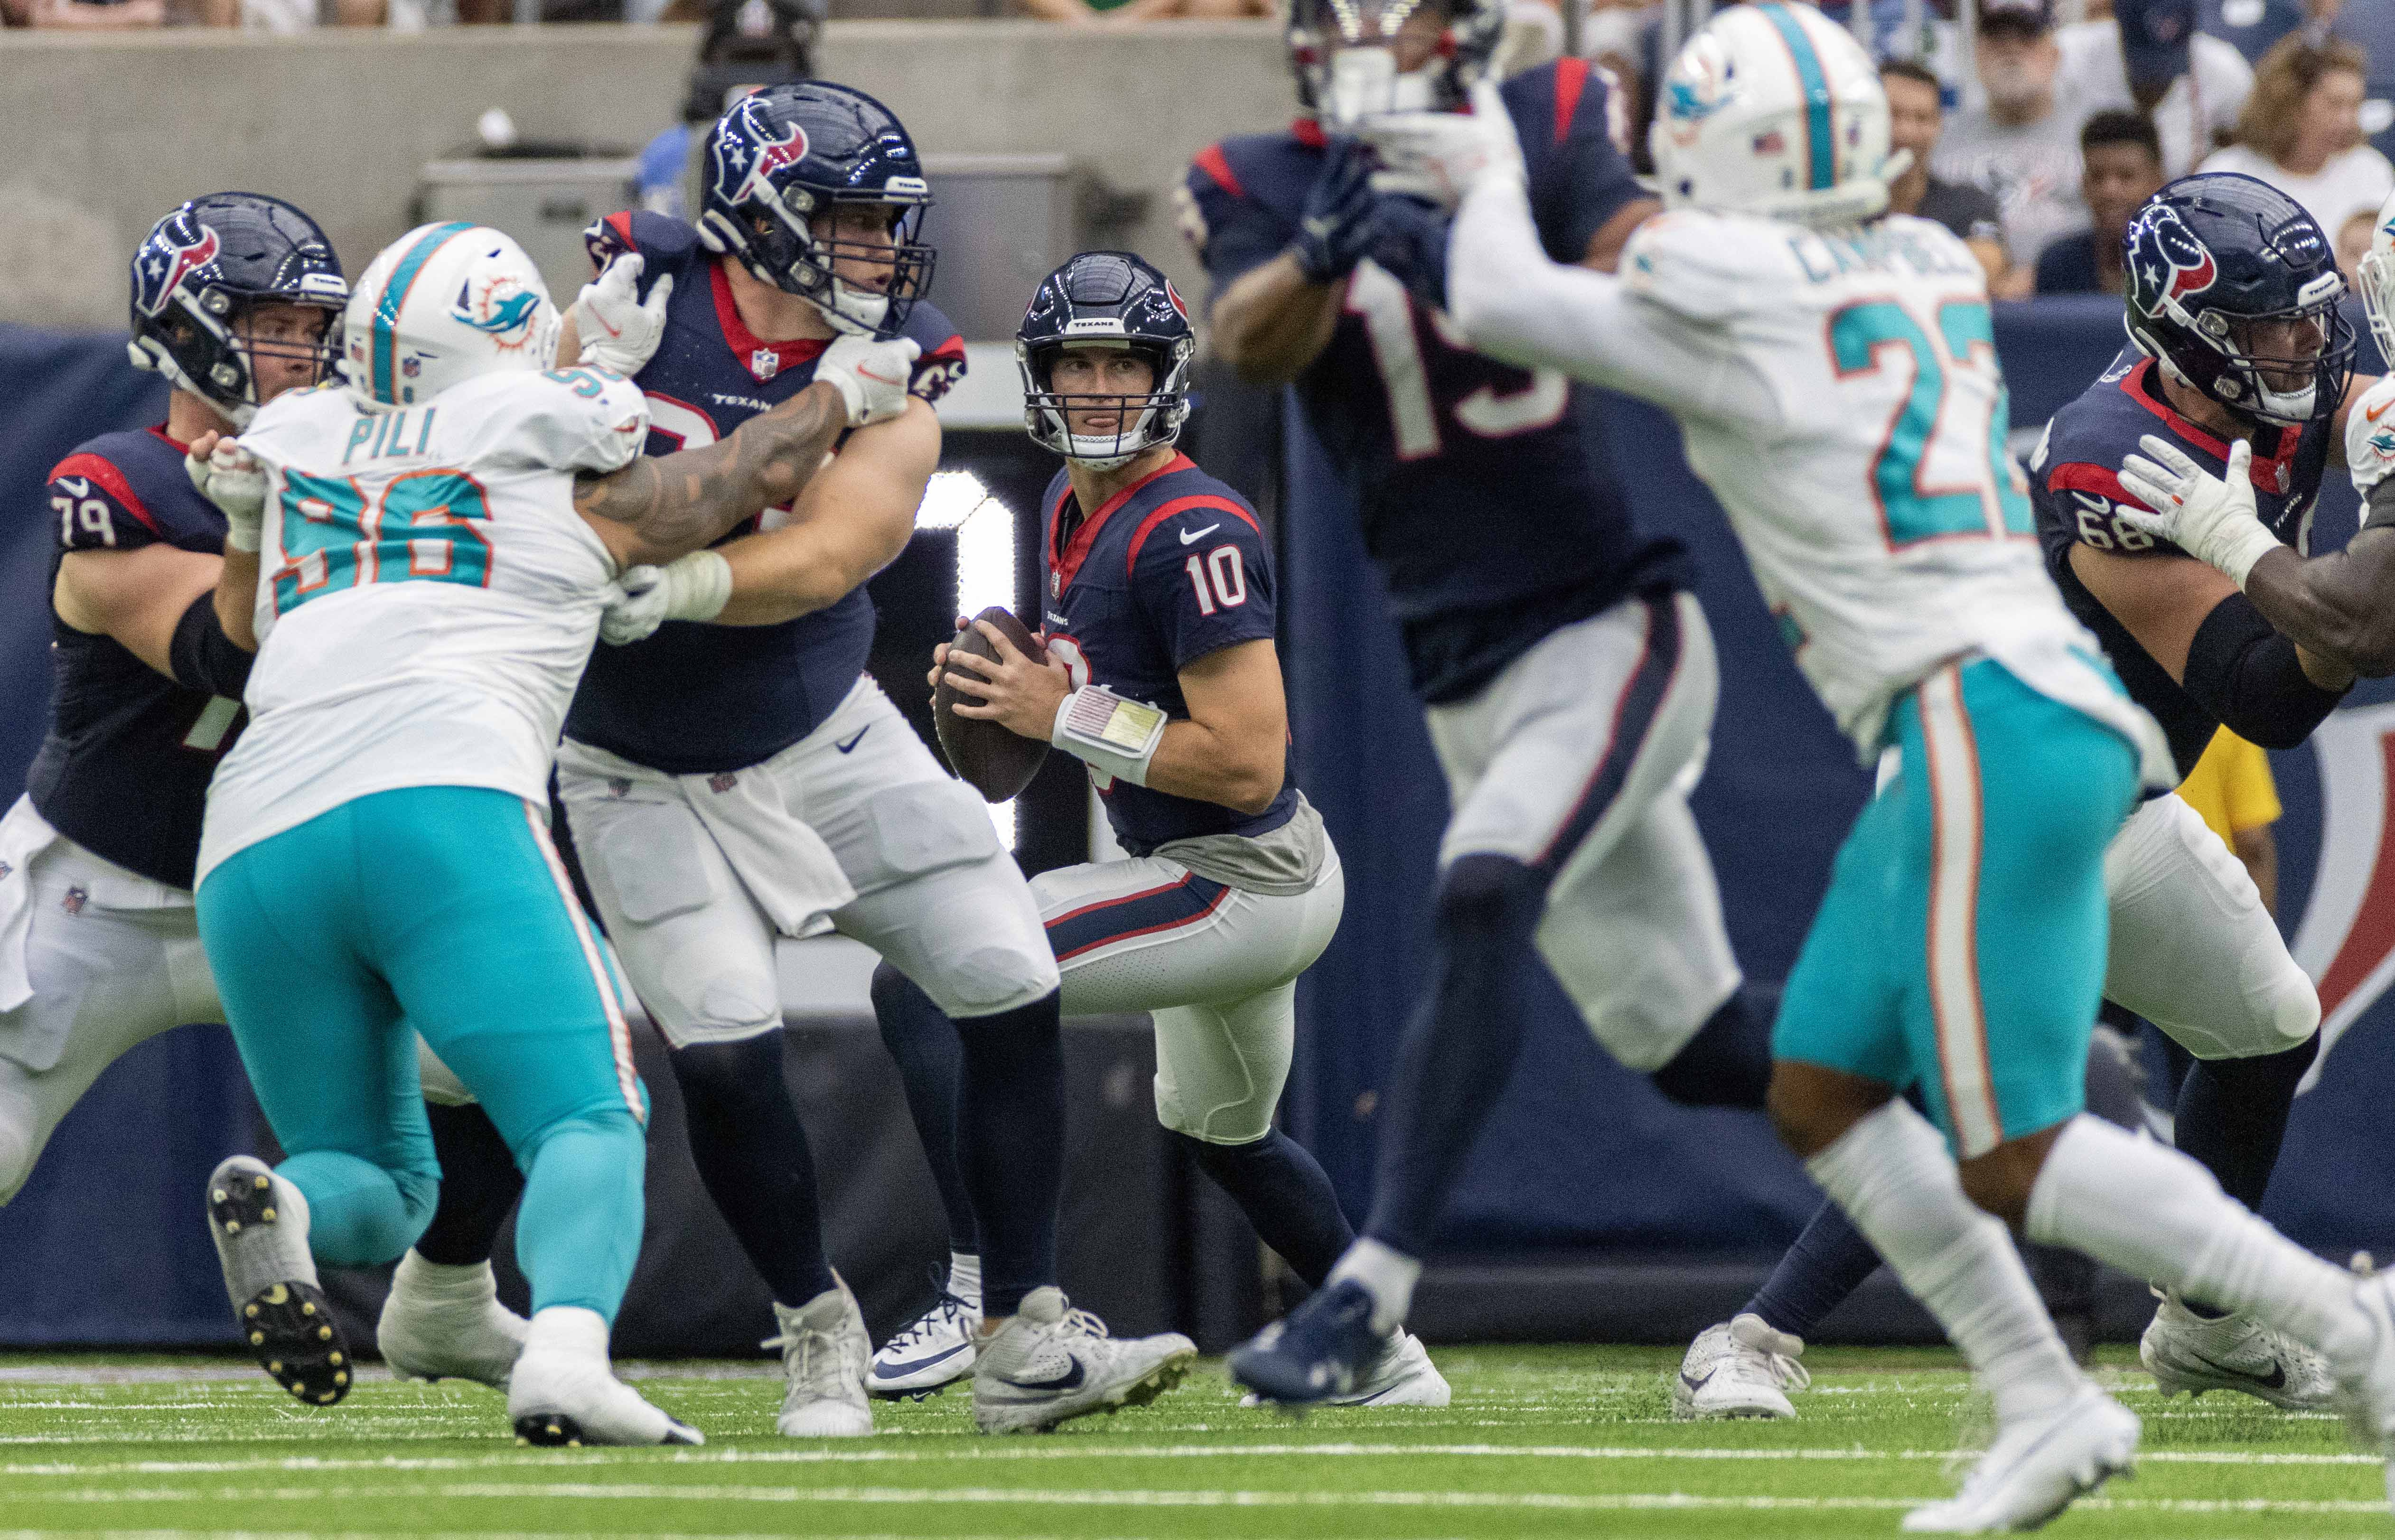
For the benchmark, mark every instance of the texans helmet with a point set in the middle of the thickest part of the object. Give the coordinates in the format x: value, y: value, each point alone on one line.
x: 782, y: 156
x: 2215, y: 258
x: 1345, y: 54
x: 197, y: 278
x: 1107, y: 300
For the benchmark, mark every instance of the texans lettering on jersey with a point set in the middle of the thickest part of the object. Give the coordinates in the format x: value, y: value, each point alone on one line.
x: 2075, y: 486
x: 1484, y: 500
x: 1172, y: 569
x: 694, y: 697
x: 124, y: 770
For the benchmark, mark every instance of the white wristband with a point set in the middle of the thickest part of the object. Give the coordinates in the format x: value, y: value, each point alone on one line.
x: 2239, y: 547
x: 697, y: 586
x: 1116, y: 734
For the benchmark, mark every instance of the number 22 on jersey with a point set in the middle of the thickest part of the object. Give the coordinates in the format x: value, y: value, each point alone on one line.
x: 416, y: 527
x: 1940, y: 416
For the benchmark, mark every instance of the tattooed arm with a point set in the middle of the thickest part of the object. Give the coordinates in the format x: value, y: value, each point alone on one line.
x: 656, y: 510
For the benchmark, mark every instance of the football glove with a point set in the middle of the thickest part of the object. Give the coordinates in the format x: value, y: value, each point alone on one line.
x: 1440, y: 155
x: 620, y: 331
x: 235, y: 483
x: 1410, y: 240
x: 691, y: 587
x: 1335, y: 230
x: 871, y: 376
x: 2210, y: 518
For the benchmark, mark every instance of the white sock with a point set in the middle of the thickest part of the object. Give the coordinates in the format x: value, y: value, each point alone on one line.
x: 1387, y: 1274
x: 568, y: 1329
x: 1892, y: 1175
x: 445, y: 1281
x: 2154, y: 1213
x: 964, y: 1278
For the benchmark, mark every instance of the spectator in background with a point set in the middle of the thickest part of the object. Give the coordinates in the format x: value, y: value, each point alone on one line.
x: 2121, y: 166
x: 2353, y: 244
x: 2302, y: 132
x: 2149, y: 56
x: 84, y: 15
x: 747, y: 44
x: 2231, y: 788
x: 1914, y: 117
x: 2252, y: 26
x: 2370, y: 26
x: 1122, y: 11
x: 2022, y: 146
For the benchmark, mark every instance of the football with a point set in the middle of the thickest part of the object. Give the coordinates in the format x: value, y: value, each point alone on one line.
x: 996, y: 761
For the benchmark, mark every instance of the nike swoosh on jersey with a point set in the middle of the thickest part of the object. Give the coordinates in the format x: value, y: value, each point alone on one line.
x: 1193, y: 536
x: 1069, y: 1380
x: 2374, y: 412
x: 80, y: 487
x: 854, y: 742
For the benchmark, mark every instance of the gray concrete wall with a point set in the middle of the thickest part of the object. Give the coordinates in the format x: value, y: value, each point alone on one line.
x: 115, y: 130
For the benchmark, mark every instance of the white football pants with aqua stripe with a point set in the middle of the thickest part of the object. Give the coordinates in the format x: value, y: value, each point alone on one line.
x: 444, y: 911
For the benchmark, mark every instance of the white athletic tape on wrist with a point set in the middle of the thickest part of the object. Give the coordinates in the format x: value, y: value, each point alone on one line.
x: 701, y: 585
x: 1118, y: 735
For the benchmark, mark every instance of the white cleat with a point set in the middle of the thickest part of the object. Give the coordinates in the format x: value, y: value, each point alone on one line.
x: 1403, y: 1375
x: 2186, y: 1352
x: 259, y: 1223
x: 446, y: 1323
x: 1743, y: 1368
x: 564, y: 1393
x: 2368, y: 1395
x: 824, y: 1350
x: 1050, y: 1364
x: 2037, y: 1468
x: 932, y: 1353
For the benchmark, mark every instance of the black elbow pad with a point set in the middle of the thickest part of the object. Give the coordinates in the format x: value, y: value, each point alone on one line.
x: 2248, y: 676
x: 203, y: 657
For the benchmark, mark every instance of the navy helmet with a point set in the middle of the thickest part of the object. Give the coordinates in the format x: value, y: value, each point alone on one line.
x: 1106, y: 299
x: 198, y: 278
x: 1343, y: 79
x: 2210, y: 260
x: 785, y: 154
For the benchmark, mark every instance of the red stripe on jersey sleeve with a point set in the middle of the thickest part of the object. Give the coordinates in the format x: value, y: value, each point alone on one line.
x: 1572, y: 79
x: 1182, y: 505
x: 104, y: 475
x: 2080, y: 476
x: 1216, y: 164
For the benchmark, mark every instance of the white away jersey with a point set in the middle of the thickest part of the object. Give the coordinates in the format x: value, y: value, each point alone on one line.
x: 1867, y: 472
x: 427, y: 595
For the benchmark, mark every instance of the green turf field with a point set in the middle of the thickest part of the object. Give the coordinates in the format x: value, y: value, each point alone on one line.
x: 1540, y: 1441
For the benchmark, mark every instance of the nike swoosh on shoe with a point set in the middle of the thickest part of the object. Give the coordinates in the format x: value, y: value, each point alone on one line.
x: 1069, y: 1380
x: 2277, y: 1379
x: 910, y: 1365
x: 1699, y: 1383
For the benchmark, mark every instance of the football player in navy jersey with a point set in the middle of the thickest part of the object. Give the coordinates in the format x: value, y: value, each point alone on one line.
x: 1567, y: 676
x: 2240, y: 362
x: 1158, y: 625
x: 100, y: 949
x: 734, y: 776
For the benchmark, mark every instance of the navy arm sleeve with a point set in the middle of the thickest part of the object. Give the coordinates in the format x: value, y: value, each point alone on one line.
x: 1202, y: 577
x: 1232, y: 232
x: 1572, y: 144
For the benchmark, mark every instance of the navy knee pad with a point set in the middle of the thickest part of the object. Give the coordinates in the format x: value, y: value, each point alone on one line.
x: 1727, y: 1063
x: 1488, y: 895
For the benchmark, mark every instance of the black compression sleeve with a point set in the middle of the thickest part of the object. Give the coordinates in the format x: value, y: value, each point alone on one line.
x: 2248, y: 676
x: 203, y: 656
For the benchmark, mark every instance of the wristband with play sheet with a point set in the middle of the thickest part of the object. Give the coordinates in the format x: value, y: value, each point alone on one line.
x: 1116, y: 734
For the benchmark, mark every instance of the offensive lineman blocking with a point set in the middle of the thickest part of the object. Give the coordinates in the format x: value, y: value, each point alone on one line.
x: 1961, y: 944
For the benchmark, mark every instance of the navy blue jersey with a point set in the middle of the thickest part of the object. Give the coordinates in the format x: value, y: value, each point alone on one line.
x: 1170, y: 569
x: 1487, y: 504
x: 2075, y: 485
x: 695, y: 697
x: 124, y: 771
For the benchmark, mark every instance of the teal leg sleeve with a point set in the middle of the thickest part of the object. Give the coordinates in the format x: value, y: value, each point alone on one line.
x: 505, y: 977
x: 320, y: 1036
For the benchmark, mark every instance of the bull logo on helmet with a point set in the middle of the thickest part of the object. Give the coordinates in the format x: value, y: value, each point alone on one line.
x: 2174, y: 265
x: 165, y: 269
x: 771, y: 155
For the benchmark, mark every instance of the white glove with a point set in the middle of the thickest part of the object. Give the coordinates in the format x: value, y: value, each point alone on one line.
x: 870, y: 377
x: 1442, y: 155
x: 691, y: 587
x: 618, y: 331
x: 2209, y: 518
x: 235, y: 483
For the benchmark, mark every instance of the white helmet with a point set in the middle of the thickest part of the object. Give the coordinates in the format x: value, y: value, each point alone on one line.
x: 442, y: 304
x: 1775, y: 109
x: 2375, y: 276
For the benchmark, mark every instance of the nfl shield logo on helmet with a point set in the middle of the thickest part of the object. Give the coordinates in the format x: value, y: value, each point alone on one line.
x: 170, y: 262
x: 75, y: 900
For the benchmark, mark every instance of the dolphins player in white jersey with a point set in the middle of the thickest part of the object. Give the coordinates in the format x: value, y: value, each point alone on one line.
x: 421, y: 558
x: 1835, y: 379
